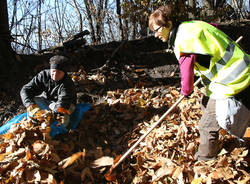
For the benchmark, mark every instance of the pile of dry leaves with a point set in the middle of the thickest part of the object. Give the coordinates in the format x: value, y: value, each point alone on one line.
x: 84, y: 155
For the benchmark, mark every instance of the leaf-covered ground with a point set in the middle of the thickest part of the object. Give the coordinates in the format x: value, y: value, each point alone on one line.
x: 112, y: 125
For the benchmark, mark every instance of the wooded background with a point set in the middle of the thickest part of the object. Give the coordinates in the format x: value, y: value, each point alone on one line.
x: 40, y: 24
x: 36, y: 27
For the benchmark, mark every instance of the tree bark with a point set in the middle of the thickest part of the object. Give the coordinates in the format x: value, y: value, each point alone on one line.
x: 14, y: 4
x: 39, y: 19
x: 219, y: 3
x: 27, y: 39
x: 118, y: 11
x: 7, y: 55
x: 192, y: 5
x: 6, y: 52
x: 91, y: 26
x: 99, y: 21
x: 79, y: 15
x: 209, y: 4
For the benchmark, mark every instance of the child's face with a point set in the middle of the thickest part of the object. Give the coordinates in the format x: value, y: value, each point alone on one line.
x: 56, y: 75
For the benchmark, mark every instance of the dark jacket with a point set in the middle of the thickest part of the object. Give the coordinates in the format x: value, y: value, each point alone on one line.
x: 62, y: 92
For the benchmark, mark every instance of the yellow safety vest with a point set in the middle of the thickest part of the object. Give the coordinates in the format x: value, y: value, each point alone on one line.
x: 228, y: 73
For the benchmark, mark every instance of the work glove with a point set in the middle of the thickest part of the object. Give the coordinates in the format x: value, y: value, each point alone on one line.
x: 32, y: 111
x: 64, y: 119
x: 63, y: 116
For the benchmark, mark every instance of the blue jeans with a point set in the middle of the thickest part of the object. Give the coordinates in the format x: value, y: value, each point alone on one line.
x: 43, y: 103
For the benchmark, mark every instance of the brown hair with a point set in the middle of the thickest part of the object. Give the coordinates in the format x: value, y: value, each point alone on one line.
x: 160, y: 16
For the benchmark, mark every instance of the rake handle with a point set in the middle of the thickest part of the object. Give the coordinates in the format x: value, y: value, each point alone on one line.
x: 161, y: 118
x: 154, y: 125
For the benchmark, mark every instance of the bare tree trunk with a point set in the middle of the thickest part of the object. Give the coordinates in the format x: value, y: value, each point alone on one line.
x: 238, y: 5
x: 104, y: 14
x: 208, y: 8
x: 14, y: 19
x: 118, y: 11
x: 99, y: 21
x: 27, y: 39
x: 110, y: 28
x: 192, y: 5
x: 58, y: 21
x: 209, y: 4
x: 79, y: 15
x: 7, y: 55
x: 98, y: 14
x: 90, y: 21
x: 219, y: 4
x: 125, y: 29
x: 143, y: 20
x: 14, y: 14
x: 39, y: 25
x: 4, y: 32
x: 134, y: 25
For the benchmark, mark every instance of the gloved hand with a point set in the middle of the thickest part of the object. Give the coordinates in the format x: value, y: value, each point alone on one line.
x: 62, y: 110
x: 64, y: 116
x: 32, y: 110
x: 64, y: 119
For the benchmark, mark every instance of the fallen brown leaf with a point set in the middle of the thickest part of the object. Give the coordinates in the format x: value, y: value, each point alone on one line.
x: 70, y: 160
x: 103, y: 161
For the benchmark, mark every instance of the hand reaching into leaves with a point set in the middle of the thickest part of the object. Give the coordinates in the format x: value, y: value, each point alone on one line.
x: 64, y: 119
x: 32, y: 111
x: 64, y: 116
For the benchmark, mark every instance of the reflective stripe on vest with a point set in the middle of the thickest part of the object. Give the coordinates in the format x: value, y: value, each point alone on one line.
x: 242, y: 65
x: 224, y: 59
x: 228, y: 73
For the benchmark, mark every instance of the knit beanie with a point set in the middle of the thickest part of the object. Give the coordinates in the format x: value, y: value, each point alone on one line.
x: 59, y: 62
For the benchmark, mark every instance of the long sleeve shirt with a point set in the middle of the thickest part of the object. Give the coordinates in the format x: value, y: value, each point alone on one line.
x: 186, y: 63
x: 61, y: 92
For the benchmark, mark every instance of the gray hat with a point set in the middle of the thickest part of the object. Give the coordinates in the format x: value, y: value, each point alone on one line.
x: 59, y: 62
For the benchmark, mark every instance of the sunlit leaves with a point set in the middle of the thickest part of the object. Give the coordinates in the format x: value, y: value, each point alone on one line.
x: 166, y: 155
